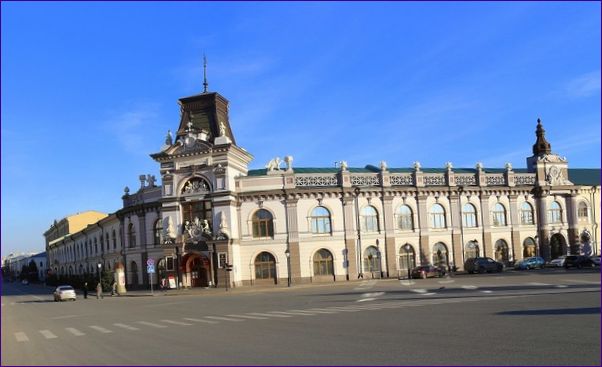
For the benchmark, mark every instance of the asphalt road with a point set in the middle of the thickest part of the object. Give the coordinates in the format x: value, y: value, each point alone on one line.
x: 542, y: 317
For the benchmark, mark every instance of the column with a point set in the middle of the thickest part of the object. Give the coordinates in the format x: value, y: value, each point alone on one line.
x: 293, y: 239
x: 423, y: 224
x: 486, y: 245
x: 350, y: 236
x: 457, y: 240
x: 517, y: 252
x: 389, y: 222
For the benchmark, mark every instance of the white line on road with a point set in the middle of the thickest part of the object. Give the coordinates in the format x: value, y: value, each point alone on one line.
x: 344, y: 309
x: 177, y: 323
x: 21, y: 337
x: 63, y: 317
x: 365, y: 299
x: 561, y: 286
x: 100, y: 329
x: 292, y: 313
x: 74, y: 331
x: 538, y: 284
x: 127, y: 327
x: 487, y: 291
x: 47, y: 334
x: 200, y: 320
x: 470, y: 287
x: 222, y: 318
x: 249, y: 317
x: 322, y: 310
x: 267, y: 314
x: 151, y: 324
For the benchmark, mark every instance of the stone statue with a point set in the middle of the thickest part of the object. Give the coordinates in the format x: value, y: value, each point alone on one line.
x: 417, y: 166
x: 274, y: 164
x: 509, y: 166
x: 222, y: 221
x: 383, y: 166
x: 126, y: 190
x: 151, y: 180
x: 449, y: 165
x: 169, y: 138
x: 479, y: 166
x: 205, y: 226
x: 222, y: 129
x: 142, y: 179
x: 344, y: 166
x: 168, y: 228
x: 289, y: 162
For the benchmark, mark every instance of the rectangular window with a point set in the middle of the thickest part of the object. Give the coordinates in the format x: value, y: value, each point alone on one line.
x: 170, y: 263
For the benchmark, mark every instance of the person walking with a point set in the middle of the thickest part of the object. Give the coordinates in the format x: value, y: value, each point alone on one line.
x: 114, y: 289
x: 99, y: 291
x: 85, y: 290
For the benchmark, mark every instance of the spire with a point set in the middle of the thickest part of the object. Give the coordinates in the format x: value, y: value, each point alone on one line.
x: 205, y: 84
x: 541, y: 145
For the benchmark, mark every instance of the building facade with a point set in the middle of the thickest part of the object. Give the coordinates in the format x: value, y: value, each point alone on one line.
x: 214, y: 222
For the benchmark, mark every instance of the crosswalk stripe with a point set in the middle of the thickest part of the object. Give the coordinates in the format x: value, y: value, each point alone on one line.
x: 74, y: 331
x: 21, y: 337
x: 345, y: 309
x: 176, y: 322
x: 249, y: 317
x: 200, y: 320
x: 292, y: 313
x: 323, y: 310
x: 312, y: 311
x: 47, y: 334
x: 100, y: 329
x: 267, y: 314
x: 222, y: 318
x: 127, y: 327
x: 151, y: 324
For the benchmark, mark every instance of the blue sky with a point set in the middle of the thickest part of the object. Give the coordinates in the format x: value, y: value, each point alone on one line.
x: 90, y: 89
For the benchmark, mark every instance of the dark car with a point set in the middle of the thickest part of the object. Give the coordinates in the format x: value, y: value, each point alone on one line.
x: 578, y: 262
x: 482, y: 264
x: 427, y: 271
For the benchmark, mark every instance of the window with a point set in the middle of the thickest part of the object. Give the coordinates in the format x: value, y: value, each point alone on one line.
x: 198, y: 209
x: 437, y: 216
x: 114, y: 240
x: 583, y: 211
x: 526, y: 214
x: 407, y: 257
x: 405, y: 220
x: 440, y: 255
x: 107, y: 240
x: 469, y: 216
x: 369, y: 219
x: 372, y: 259
x: 170, y: 263
x: 265, y: 266
x: 529, y: 248
x: 499, y: 215
x: 320, y: 220
x: 95, y: 246
x: 323, y: 264
x: 472, y: 250
x: 131, y: 235
x: 158, y: 232
x: 263, y: 224
x: 501, y: 252
x: 555, y: 213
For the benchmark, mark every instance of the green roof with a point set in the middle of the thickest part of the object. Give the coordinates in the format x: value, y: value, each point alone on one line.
x: 585, y: 176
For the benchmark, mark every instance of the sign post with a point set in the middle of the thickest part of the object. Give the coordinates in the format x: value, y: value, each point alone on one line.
x: 150, y: 269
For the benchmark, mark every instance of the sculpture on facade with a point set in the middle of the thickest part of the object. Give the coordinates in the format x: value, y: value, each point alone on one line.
x: 151, y: 180
x: 169, y: 138
x: 479, y: 166
x: 169, y: 230
x: 383, y: 166
x: 417, y: 166
x: 288, y: 160
x: 449, y: 165
x: 509, y: 166
x: 274, y: 164
x: 222, y: 128
x: 195, y: 186
x: 344, y: 166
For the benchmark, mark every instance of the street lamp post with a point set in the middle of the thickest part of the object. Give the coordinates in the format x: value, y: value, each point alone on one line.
x: 288, y: 266
x: 460, y: 190
x: 407, y: 248
x: 99, y: 273
x: 360, y: 274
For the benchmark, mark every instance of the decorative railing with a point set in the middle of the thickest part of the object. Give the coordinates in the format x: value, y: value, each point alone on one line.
x: 434, y: 180
x: 496, y: 179
x: 402, y: 180
x: 312, y: 181
x: 524, y: 179
x: 365, y: 181
x: 466, y: 180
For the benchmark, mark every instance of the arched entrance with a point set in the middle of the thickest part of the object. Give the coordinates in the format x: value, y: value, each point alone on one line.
x: 502, y: 253
x: 529, y: 247
x: 407, y: 258
x: 265, y: 268
x: 197, y: 270
x: 372, y: 261
x: 472, y: 250
x: 440, y: 257
x: 134, y: 272
x: 323, y: 265
x: 557, y: 246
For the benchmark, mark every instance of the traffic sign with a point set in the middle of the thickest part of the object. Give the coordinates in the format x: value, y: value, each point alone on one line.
x: 150, y: 262
x: 150, y: 268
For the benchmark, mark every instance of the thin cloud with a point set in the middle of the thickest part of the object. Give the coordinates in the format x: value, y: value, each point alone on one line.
x: 129, y: 128
x: 584, y: 85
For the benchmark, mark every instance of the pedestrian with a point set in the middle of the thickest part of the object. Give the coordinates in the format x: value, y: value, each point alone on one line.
x: 99, y: 291
x: 85, y: 290
x: 114, y: 289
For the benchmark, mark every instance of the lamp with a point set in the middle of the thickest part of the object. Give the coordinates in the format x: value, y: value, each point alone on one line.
x: 408, y: 248
x: 99, y: 275
x: 288, y: 266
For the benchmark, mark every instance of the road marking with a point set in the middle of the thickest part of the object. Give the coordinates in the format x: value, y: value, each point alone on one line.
x: 124, y: 326
x: 199, y: 320
x: 64, y: 317
x: 486, y: 291
x: 344, y: 309
x: 74, y: 331
x: 307, y: 311
x: 470, y: 287
x: 561, y: 286
x: 222, y: 318
x: 47, y: 334
x: 151, y: 324
x: 292, y: 313
x: 100, y: 329
x: 322, y: 310
x: 21, y: 337
x: 366, y: 299
x: 418, y: 290
x: 266, y: 314
x: 176, y: 322
x: 538, y: 284
x: 249, y: 317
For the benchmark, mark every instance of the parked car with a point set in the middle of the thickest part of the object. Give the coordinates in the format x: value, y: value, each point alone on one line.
x: 595, y: 260
x: 427, y: 271
x: 64, y: 292
x: 578, y: 261
x: 530, y: 263
x: 559, y: 261
x: 482, y: 264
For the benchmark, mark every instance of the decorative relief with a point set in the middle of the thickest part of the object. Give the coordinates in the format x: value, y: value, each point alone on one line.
x: 195, y: 186
x: 466, y: 180
x: 365, y: 181
x: 434, y: 180
x: 307, y: 181
x: 402, y: 180
x: 496, y: 180
x: 528, y: 179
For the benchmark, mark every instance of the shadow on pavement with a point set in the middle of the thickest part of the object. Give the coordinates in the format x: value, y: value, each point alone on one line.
x: 554, y: 311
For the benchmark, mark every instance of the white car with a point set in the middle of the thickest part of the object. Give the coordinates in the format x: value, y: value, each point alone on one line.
x: 559, y: 261
x: 63, y: 292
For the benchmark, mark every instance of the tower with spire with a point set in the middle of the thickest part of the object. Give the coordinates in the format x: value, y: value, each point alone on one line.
x: 551, y: 168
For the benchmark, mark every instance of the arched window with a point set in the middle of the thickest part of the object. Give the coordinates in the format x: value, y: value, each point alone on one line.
x: 469, y: 216
x: 158, y: 232
x: 265, y: 267
x: 131, y: 235
x: 320, y: 220
x: 405, y: 220
x: 440, y: 255
x: 502, y: 253
x: 263, y: 224
x: 134, y: 272
x: 583, y: 211
x: 323, y: 263
x: 114, y: 240
x: 499, y: 215
x: 372, y: 259
x: 369, y: 219
x: 555, y: 213
x: 472, y: 250
x: 526, y: 214
x: 437, y: 216
x: 107, y: 240
x: 407, y: 257
x: 529, y: 247
x: 95, y: 246
x: 102, y: 243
